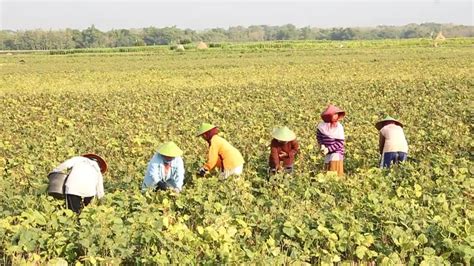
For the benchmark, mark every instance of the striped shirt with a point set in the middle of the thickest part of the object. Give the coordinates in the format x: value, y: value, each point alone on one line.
x: 331, y: 137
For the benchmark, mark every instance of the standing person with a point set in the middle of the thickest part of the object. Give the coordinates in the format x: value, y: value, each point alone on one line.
x: 284, y: 147
x: 165, y: 169
x: 393, y: 146
x: 84, y: 181
x: 221, y: 154
x: 330, y: 136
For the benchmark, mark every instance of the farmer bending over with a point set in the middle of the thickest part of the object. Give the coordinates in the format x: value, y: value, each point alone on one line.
x: 221, y: 153
x: 393, y: 146
x: 284, y: 147
x: 165, y: 169
x: 84, y: 181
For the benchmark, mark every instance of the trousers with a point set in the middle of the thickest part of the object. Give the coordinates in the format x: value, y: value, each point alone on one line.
x: 76, y: 203
x: 389, y: 158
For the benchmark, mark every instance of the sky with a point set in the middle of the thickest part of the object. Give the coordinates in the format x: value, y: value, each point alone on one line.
x: 200, y: 15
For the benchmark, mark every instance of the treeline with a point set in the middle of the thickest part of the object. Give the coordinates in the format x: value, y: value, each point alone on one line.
x: 94, y: 38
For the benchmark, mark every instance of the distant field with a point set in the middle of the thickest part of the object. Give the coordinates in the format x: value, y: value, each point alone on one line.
x: 268, y: 45
x: 123, y: 103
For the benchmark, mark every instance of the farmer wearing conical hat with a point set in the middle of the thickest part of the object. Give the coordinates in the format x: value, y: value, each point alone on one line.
x: 165, y: 169
x: 84, y: 180
x: 393, y: 146
x: 330, y: 136
x: 221, y: 154
x: 283, y: 149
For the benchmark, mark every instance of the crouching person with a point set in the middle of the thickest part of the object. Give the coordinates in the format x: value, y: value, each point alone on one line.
x: 284, y: 147
x: 221, y: 155
x: 165, y: 169
x: 84, y: 181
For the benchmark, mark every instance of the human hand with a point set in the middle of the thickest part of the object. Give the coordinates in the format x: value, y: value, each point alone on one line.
x: 202, y: 171
x: 162, y: 185
x: 283, y: 154
x: 324, y: 150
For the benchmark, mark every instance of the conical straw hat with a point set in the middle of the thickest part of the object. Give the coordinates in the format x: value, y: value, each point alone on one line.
x: 170, y: 149
x: 283, y: 134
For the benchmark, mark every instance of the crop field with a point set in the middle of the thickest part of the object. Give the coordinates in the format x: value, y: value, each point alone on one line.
x: 121, y: 104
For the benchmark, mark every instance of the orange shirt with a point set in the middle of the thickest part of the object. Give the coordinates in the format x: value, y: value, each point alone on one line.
x: 220, y: 149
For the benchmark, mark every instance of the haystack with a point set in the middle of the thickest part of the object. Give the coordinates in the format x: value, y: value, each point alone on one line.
x: 180, y: 48
x: 201, y: 46
x: 440, y: 37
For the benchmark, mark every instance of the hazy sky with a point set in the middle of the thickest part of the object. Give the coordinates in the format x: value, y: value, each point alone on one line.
x: 109, y: 14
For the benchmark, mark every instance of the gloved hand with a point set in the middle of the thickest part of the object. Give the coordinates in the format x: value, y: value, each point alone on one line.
x: 161, y: 185
x: 202, y: 171
x: 324, y: 150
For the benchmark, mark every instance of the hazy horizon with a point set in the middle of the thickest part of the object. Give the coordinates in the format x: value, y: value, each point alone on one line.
x: 196, y: 15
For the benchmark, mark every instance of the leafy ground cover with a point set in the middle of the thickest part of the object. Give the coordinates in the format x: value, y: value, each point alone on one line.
x: 122, y: 105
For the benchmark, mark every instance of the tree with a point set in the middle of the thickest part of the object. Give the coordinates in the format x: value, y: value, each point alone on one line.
x: 213, y: 35
x: 92, y: 37
x: 306, y: 33
x: 237, y: 34
x: 164, y: 36
x: 122, y: 38
x: 256, y: 33
x: 342, y: 34
x: 287, y: 32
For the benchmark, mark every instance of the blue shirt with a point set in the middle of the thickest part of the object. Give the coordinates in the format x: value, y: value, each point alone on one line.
x: 156, y: 172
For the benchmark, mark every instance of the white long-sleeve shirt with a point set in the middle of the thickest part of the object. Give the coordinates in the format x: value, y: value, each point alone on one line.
x: 85, y: 178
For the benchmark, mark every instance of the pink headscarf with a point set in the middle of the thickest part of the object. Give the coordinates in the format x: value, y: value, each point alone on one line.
x: 328, y: 115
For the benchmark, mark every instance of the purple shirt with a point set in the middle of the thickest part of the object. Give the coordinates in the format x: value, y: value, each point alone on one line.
x: 332, y: 138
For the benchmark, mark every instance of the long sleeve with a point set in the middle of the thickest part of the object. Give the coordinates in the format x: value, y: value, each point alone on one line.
x: 290, y: 148
x: 294, y: 149
x: 319, y: 137
x: 66, y: 165
x: 85, y: 178
x: 100, y: 186
x: 180, y: 174
x: 153, y: 174
x: 213, y: 155
x: 274, y: 160
x: 337, y: 145
x: 223, y: 155
x: 333, y: 145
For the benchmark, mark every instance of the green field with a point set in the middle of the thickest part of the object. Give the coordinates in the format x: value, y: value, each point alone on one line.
x: 122, y: 104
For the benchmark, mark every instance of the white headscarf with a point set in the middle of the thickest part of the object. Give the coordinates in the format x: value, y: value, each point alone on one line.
x: 336, y: 132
